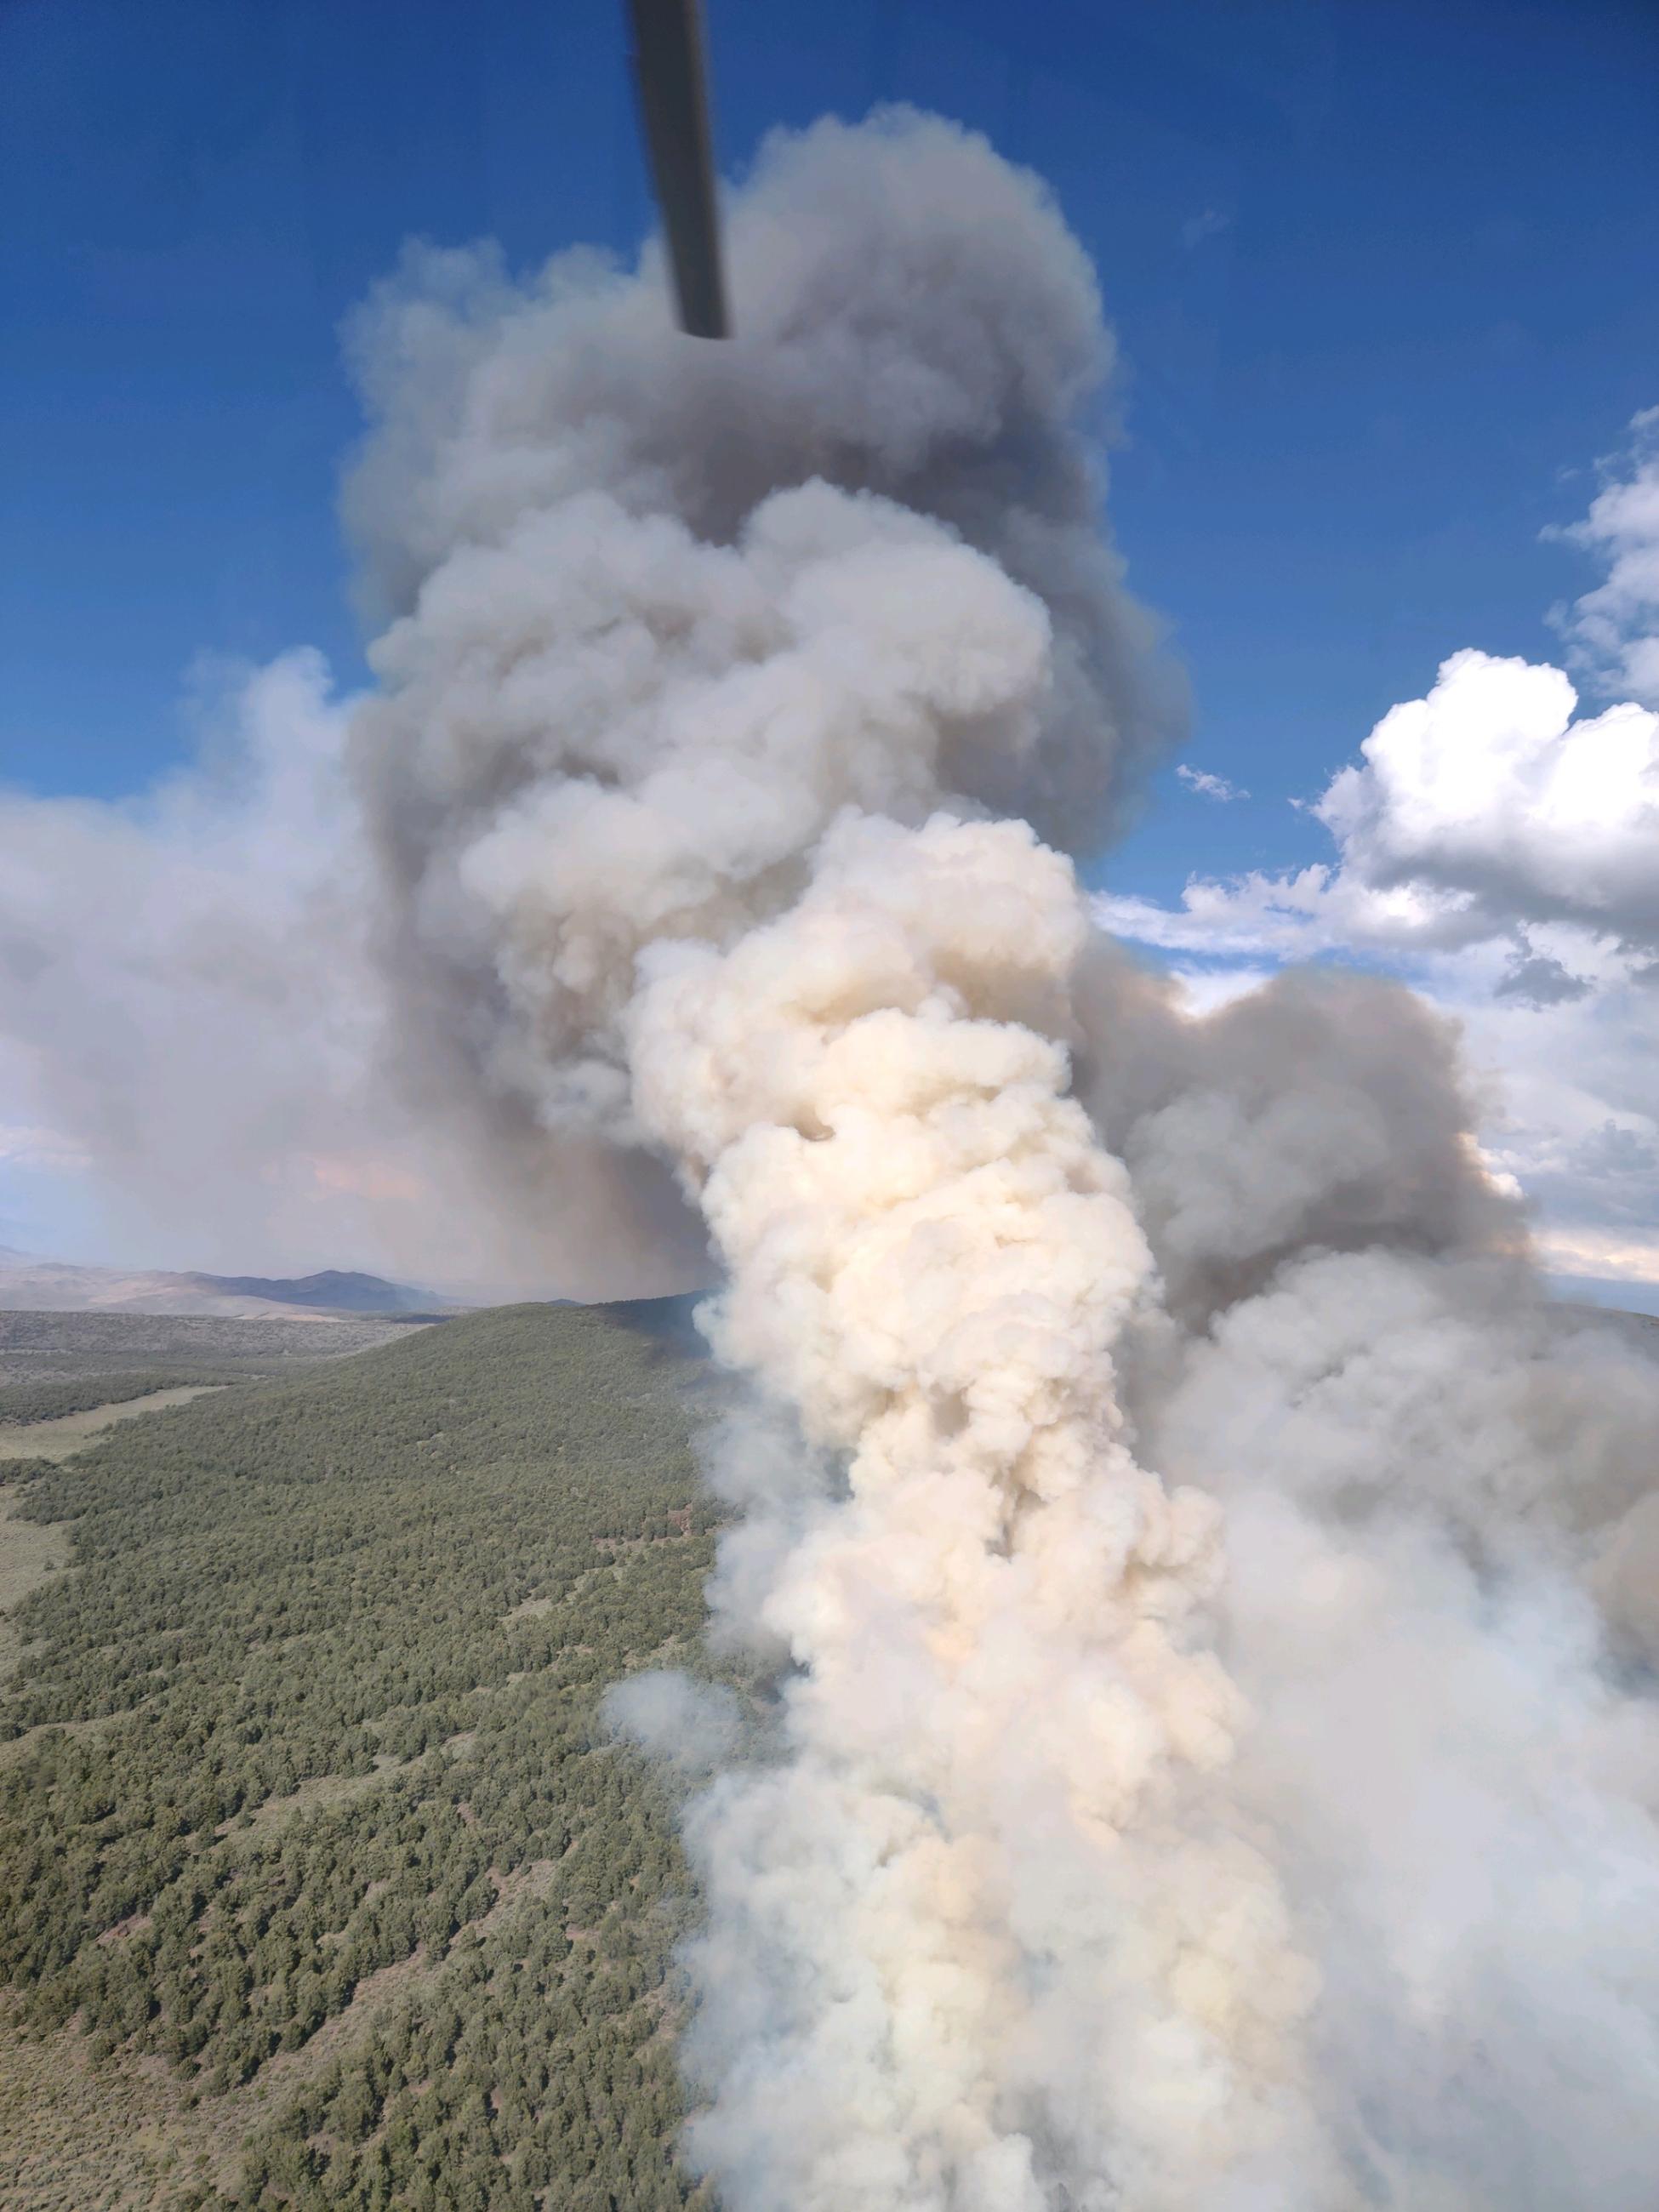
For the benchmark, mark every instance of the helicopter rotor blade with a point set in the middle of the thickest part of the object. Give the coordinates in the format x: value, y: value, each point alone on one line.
x: 670, y: 75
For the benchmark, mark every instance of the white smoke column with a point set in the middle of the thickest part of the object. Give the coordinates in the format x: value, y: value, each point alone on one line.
x: 986, y: 1940
x: 715, y: 667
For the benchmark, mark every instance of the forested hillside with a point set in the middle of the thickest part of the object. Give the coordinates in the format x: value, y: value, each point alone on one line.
x: 319, y: 1882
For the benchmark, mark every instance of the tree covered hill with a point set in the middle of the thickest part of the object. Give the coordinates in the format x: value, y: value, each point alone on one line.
x: 332, y: 1291
x: 320, y: 1883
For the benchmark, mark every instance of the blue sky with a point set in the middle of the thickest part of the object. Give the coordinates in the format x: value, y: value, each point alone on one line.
x: 1374, y: 269
x: 1382, y: 273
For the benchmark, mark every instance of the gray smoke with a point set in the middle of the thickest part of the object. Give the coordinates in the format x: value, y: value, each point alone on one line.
x: 651, y: 598
x: 692, y: 1727
x: 185, y: 1001
x: 1325, y: 1111
x: 1443, y: 1555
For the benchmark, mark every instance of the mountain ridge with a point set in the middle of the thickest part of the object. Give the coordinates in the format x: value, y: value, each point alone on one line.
x: 29, y: 1284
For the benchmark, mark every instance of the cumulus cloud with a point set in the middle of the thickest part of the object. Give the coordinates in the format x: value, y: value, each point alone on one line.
x: 1482, y: 812
x: 1494, y: 795
x: 1491, y: 809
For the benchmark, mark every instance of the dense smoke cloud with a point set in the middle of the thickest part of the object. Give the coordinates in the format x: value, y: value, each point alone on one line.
x: 1324, y: 1111
x: 664, y: 609
x: 184, y: 1001
x: 1212, y: 1763
x: 193, y: 1009
x: 712, y: 671
x: 1101, y: 1860
x: 595, y: 542
x: 913, y: 320
x: 1442, y: 1559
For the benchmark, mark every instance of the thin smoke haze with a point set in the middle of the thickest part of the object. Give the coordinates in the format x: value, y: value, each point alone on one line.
x: 1209, y: 1589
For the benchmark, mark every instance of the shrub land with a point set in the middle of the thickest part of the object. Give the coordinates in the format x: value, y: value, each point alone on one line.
x: 319, y: 1882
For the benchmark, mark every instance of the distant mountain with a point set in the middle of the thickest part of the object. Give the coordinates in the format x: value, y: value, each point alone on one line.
x: 31, y: 1284
x: 336, y: 1291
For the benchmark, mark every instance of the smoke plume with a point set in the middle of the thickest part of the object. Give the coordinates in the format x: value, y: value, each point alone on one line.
x: 1209, y: 1589
x: 1212, y: 1766
x: 663, y: 612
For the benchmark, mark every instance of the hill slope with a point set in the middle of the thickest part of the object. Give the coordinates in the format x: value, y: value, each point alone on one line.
x: 316, y: 1875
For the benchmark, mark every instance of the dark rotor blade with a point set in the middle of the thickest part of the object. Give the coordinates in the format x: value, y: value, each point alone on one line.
x: 668, y: 70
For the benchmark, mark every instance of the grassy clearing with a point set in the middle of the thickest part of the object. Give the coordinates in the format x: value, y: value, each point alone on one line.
x: 24, y: 1404
x: 28, y: 1553
x: 58, y: 1437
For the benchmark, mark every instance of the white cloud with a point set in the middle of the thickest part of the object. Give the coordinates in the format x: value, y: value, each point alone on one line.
x: 1612, y: 632
x: 1483, y: 812
x: 1207, y: 786
x: 1289, y: 917
x: 1491, y: 798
